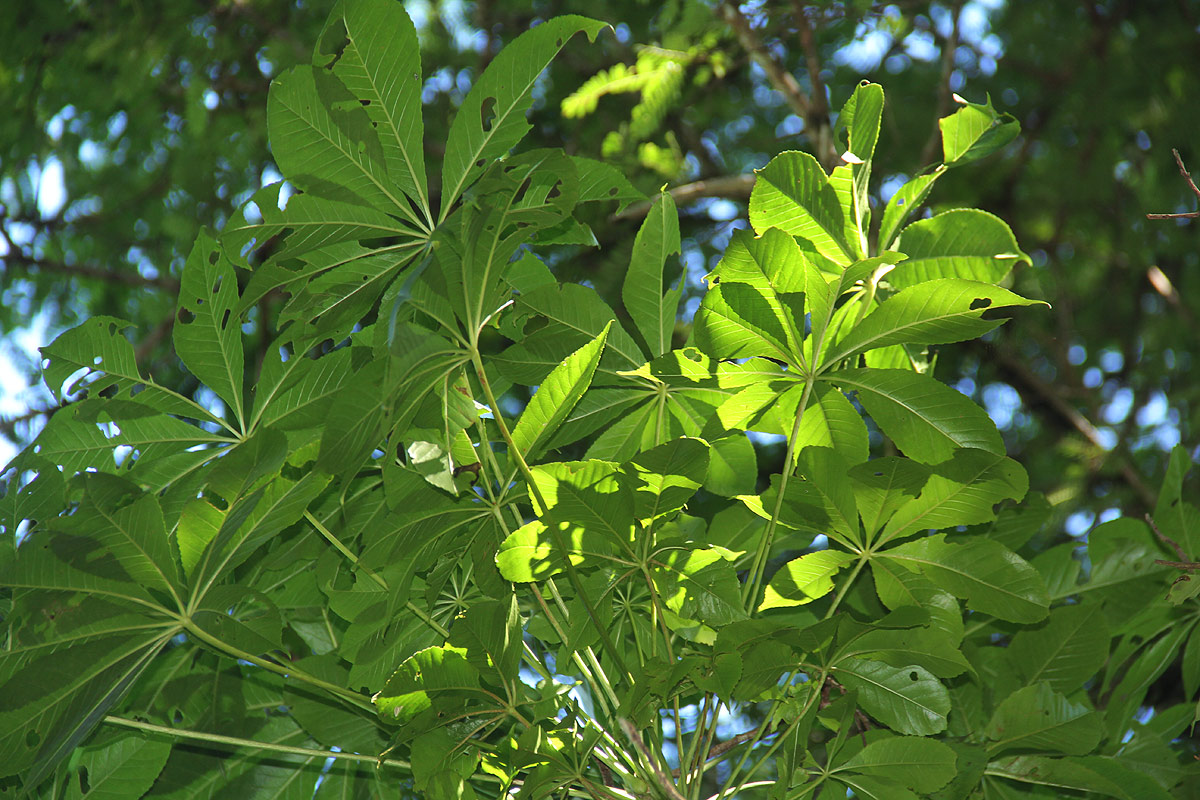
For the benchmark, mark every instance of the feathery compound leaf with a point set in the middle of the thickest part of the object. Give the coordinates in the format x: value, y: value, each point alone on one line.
x: 491, y: 120
x: 207, y: 332
x: 557, y: 395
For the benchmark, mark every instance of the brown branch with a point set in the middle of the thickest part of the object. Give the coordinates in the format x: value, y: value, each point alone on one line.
x: 785, y: 83
x: 664, y: 780
x: 818, y: 118
x: 730, y: 187
x: 1187, y: 176
x: 929, y: 152
x: 1025, y: 381
x: 134, y: 279
x: 1167, y: 540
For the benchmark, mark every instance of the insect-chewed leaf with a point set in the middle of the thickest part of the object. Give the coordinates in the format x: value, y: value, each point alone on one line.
x: 492, y: 117
x: 963, y: 243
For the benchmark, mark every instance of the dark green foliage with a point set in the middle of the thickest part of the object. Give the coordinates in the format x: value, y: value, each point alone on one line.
x: 358, y: 550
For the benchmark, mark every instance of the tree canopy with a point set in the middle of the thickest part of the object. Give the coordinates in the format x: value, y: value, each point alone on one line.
x: 511, y: 399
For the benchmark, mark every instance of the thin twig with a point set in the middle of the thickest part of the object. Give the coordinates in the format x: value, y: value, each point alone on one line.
x: 929, y: 152
x: 730, y: 187
x: 1187, y: 176
x: 1167, y: 540
x: 664, y: 780
x: 783, y: 81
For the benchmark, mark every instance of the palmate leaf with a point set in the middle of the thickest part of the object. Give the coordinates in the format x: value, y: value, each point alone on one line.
x: 793, y: 193
x: 963, y: 490
x: 381, y: 66
x: 1066, y: 650
x: 207, y: 333
x: 934, y: 312
x: 121, y: 767
x: 100, y: 347
x: 592, y: 495
x: 642, y: 292
x: 306, y: 222
x: 55, y: 695
x: 908, y: 699
x: 441, y: 675
x: 921, y: 764
x: 963, y: 243
x: 697, y: 585
x: 804, y: 579
x: 1103, y: 775
x: 738, y: 320
x: 324, y: 142
x: 491, y: 120
x: 556, y: 396
x: 1039, y: 718
x: 664, y: 478
x: 991, y: 578
x: 927, y: 419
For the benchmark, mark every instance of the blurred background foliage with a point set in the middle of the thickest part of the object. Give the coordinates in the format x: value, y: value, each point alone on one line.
x: 131, y: 124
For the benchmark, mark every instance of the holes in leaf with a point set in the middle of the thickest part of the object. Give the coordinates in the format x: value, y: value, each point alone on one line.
x: 213, y: 257
x: 32, y: 739
x: 216, y: 285
x: 899, y: 202
x: 185, y: 317
x: 914, y: 677
x: 487, y: 112
x: 364, y: 103
x: 97, y: 361
x: 558, y: 42
x: 980, y: 302
x: 225, y: 319
x: 612, y: 192
x: 480, y: 162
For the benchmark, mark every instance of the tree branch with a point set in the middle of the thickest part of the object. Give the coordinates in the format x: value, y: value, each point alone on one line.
x: 730, y: 187
x: 1187, y: 176
x: 784, y: 82
x: 91, y: 271
x: 949, y: 48
x: 1026, y: 382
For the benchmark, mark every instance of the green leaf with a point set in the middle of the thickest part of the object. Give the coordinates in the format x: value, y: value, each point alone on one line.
x: 1039, y: 718
x: 435, y: 674
x: 961, y: 491
x: 963, y: 243
x: 907, y: 199
x: 698, y: 585
x: 921, y: 764
x: 975, y: 131
x: 832, y: 421
x: 491, y: 120
x: 1175, y: 516
x: 99, y: 346
x: 118, y: 769
x: 804, y: 579
x: 907, y: 699
x: 642, y: 292
x: 381, y: 66
x: 1101, y: 774
x: 589, y: 495
x: 556, y: 396
x: 70, y: 688
x: 665, y: 478
x: 600, y: 181
x: 793, y: 193
x: 992, y: 579
x: 323, y: 141
x: 1066, y: 650
x: 738, y: 320
x: 934, y: 312
x: 883, y: 485
x: 927, y: 419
